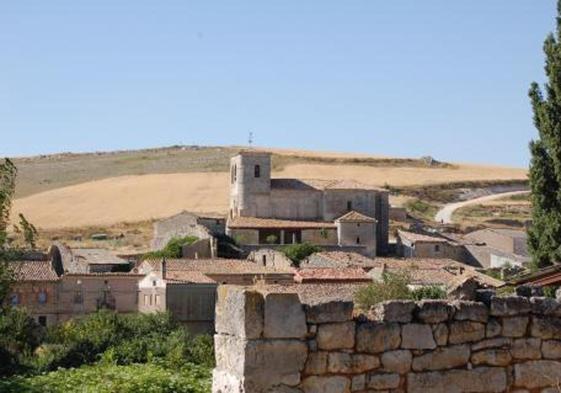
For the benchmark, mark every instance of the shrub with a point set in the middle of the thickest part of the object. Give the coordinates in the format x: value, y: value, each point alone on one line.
x: 393, y: 286
x: 173, y: 248
x: 297, y: 252
x: 549, y: 291
x: 428, y: 292
x: 108, y: 378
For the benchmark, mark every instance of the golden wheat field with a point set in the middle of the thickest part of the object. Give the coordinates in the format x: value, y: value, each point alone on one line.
x: 143, y: 197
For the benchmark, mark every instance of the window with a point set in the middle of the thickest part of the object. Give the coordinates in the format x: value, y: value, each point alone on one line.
x: 358, y: 240
x: 42, y: 320
x: 14, y: 299
x: 257, y: 170
x: 437, y: 248
x: 349, y: 205
x: 154, y: 283
x: 264, y: 258
x: 42, y: 297
x: 78, y: 298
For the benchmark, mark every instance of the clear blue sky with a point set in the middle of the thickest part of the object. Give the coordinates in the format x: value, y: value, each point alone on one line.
x: 400, y: 78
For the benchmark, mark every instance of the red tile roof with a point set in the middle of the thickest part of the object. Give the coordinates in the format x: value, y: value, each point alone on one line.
x: 254, y: 222
x: 354, y: 216
x: 331, y: 275
x: 33, y: 270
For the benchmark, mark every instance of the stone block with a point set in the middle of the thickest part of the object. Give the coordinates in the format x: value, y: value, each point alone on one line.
x: 239, y: 312
x: 440, y: 333
x: 417, y: 336
x: 339, y: 335
x: 397, y: 361
x: 358, y: 382
x: 545, y: 306
x: 374, y: 337
x: 466, y: 331
x: 537, y: 374
x: 284, y: 316
x: 442, y: 358
x: 526, y: 348
x: 339, y: 363
x: 477, y: 380
x: 498, y: 342
x: 509, y: 306
x: 514, y: 326
x: 551, y: 349
x: 333, y: 311
x: 434, y: 311
x: 316, y: 363
x: 253, y: 361
x: 491, y: 357
x: 362, y: 362
x: 493, y: 328
x: 394, y: 311
x: 380, y: 381
x: 546, y: 327
x: 326, y: 384
x: 471, y: 311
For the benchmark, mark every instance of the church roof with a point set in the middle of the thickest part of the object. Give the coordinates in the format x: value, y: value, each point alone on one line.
x: 254, y: 222
x: 354, y: 216
x: 321, y: 185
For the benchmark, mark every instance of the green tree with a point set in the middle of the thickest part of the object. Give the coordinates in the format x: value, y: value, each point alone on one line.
x: 28, y: 231
x: 544, y: 236
x: 297, y: 252
x: 8, y: 172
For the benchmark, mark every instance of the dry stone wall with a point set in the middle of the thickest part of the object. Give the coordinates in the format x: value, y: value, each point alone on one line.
x: 271, y: 342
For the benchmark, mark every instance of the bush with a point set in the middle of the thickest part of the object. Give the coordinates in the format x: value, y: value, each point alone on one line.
x: 173, y: 248
x: 549, y: 291
x: 393, y: 286
x: 428, y: 292
x: 107, y: 378
x: 297, y: 252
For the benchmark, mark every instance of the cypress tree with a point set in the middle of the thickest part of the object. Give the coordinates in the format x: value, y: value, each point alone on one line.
x: 544, y: 236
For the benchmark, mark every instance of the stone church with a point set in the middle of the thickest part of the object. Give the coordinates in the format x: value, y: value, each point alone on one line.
x: 333, y: 214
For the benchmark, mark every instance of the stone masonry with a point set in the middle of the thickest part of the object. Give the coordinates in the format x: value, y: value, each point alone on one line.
x: 271, y: 342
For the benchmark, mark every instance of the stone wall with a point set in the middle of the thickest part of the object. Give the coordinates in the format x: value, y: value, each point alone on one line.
x: 271, y: 342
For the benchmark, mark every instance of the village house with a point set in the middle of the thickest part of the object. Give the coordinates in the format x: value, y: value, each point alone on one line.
x: 86, y: 260
x: 187, y: 287
x: 331, y: 275
x: 418, y: 245
x: 268, y: 212
x: 36, y: 289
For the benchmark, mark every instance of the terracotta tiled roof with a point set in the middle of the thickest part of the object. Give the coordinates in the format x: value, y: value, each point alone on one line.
x: 182, y: 276
x: 331, y: 274
x: 418, y: 237
x: 254, y: 222
x: 340, y: 259
x: 354, y: 216
x: 33, y: 271
x: 212, y: 266
x: 320, y: 185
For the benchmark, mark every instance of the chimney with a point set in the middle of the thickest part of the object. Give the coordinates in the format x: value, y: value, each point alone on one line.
x: 164, y: 268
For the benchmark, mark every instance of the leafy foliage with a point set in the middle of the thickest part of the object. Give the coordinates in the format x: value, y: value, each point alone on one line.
x: 393, y: 286
x: 297, y: 252
x: 110, y: 378
x: 544, y: 236
x: 28, y: 231
x: 549, y: 291
x: 173, y: 248
x: 8, y: 172
x: 428, y: 292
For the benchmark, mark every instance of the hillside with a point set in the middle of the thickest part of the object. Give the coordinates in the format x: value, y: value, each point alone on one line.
x: 76, y: 190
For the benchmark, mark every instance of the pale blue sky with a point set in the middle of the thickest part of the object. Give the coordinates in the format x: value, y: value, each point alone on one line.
x: 399, y: 78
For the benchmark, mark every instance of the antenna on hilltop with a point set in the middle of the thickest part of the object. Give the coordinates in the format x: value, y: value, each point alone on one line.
x: 250, y: 139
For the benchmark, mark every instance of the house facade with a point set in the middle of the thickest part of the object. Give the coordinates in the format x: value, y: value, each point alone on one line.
x: 269, y: 211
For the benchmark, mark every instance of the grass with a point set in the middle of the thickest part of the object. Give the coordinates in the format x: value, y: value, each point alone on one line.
x: 421, y: 209
x: 101, y: 378
x: 494, y: 214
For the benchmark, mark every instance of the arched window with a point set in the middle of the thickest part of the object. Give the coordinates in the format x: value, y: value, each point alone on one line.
x: 257, y: 170
x: 42, y: 297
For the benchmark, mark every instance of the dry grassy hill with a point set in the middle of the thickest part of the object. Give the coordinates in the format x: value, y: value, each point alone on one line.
x: 77, y: 190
